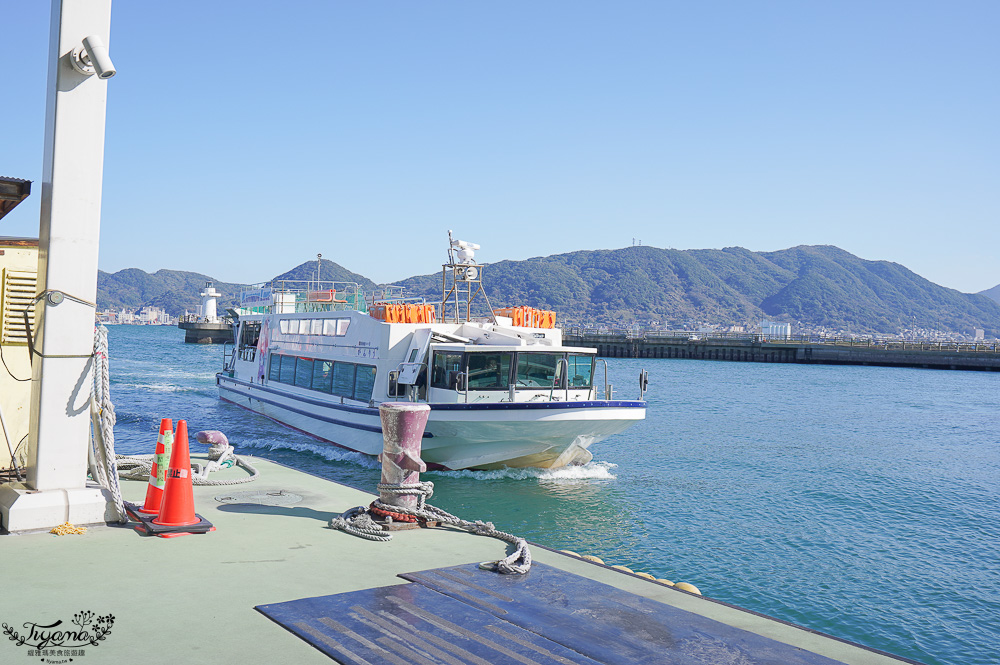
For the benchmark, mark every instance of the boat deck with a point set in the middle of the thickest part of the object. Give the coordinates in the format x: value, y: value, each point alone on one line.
x: 192, y: 599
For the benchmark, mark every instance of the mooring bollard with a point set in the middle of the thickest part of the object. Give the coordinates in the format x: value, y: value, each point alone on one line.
x: 402, y: 431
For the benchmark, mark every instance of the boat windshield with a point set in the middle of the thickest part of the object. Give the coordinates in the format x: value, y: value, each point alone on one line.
x: 498, y: 370
x: 539, y: 369
x: 489, y: 371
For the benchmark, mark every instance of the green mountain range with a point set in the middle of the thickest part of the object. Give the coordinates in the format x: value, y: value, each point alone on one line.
x: 172, y: 290
x: 813, y: 285
x: 816, y: 286
x: 993, y: 293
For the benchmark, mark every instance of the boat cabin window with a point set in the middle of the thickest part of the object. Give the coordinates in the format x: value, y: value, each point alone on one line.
x: 342, y: 379
x: 327, y: 327
x: 581, y: 370
x: 249, y: 335
x: 489, y: 371
x: 447, y: 366
x: 492, y: 371
x: 322, y: 379
x: 336, y: 327
x: 287, y: 369
x: 364, y: 383
x: 304, y: 372
x: 539, y: 369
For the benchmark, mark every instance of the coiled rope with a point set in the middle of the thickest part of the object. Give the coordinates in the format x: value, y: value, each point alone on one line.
x: 138, y: 467
x: 103, y: 467
x: 358, y: 522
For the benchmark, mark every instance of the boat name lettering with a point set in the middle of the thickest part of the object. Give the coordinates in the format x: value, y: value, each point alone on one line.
x: 255, y: 297
x: 368, y: 352
x: 90, y: 631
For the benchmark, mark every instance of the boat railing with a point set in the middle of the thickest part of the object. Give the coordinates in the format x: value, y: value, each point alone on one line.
x: 301, y: 295
x: 391, y: 293
x: 558, y: 377
x: 228, y: 356
x: 462, y: 385
x: 607, y: 386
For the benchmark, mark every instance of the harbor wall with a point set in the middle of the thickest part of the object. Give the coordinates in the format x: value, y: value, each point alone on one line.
x: 199, y: 332
x: 931, y: 355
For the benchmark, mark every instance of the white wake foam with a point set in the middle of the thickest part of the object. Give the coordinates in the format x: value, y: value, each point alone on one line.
x: 327, y: 452
x: 158, y: 387
x: 589, y: 471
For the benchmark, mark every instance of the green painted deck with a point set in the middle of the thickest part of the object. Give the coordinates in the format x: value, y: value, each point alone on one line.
x: 191, y: 599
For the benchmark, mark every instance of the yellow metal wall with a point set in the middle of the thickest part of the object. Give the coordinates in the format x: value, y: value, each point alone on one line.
x: 17, y: 257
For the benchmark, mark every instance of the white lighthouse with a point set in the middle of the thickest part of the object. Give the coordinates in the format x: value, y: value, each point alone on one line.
x: 209, y: 300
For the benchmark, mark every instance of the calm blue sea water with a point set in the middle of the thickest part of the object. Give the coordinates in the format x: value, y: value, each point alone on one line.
x: 863, y: 502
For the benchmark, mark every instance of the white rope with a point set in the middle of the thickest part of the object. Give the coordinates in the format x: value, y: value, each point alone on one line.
x: 138, y: 467
x: 358, y: 522
x: 102, y: 413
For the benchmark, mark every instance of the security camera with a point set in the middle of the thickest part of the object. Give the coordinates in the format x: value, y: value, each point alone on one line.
x: 92, y: 58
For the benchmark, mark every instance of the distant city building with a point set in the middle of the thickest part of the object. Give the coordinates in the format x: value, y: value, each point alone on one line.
x: 980, y: 334
x: 153, y: 316
x: 774, y: 329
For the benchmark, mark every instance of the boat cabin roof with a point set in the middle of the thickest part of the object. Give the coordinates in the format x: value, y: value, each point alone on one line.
x: 498, y: 348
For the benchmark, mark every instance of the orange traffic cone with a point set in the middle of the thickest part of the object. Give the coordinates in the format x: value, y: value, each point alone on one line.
x: 158, y: 474
x: 177, y: 516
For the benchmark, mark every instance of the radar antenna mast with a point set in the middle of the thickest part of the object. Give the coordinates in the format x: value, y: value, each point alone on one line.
x: 466, y: 280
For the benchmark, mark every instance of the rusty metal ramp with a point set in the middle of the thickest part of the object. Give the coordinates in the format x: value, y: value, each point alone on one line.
x: 411, y: 623
x: 463, y: 614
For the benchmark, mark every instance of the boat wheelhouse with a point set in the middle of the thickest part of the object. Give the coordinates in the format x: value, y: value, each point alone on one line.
x: 503, y: 390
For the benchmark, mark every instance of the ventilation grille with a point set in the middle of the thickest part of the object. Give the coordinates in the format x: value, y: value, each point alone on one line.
x: 18, y: 297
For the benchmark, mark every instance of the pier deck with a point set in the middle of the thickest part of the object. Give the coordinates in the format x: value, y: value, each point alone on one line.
x: 929, y: 355
x: 191, y: 599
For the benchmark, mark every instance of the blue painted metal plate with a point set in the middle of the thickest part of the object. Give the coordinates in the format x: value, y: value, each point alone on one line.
x: 607, y: 624
x: 411, y: 624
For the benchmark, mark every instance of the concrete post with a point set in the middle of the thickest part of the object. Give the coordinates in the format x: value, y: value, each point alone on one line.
x: 402, y: 432
x: 62, y: 369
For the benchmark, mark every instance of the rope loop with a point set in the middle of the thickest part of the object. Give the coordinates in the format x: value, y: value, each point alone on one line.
x: 358, y: 522
x: 103, y: 461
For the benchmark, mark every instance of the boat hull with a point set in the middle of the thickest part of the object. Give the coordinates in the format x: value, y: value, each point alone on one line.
x: 457, y: 436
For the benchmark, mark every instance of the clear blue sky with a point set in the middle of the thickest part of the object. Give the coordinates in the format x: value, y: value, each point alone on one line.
x: 245, y: 137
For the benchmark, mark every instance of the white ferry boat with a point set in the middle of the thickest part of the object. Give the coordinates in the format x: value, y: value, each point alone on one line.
x: 503, y: 390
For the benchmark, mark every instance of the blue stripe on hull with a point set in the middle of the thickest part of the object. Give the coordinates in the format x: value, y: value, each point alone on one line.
x: 316, y: 416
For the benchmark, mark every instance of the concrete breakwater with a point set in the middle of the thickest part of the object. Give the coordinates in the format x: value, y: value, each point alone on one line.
x: 754, y: 348
x: 200, y: 332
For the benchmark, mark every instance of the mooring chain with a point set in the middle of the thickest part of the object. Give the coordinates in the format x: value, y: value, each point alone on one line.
x: 358, y: 522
